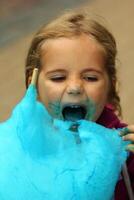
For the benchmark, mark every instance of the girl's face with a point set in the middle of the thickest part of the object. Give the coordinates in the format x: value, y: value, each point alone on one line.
x: 73, y: 83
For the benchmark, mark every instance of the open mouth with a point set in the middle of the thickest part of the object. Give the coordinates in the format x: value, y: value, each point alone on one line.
x: 74, y: 112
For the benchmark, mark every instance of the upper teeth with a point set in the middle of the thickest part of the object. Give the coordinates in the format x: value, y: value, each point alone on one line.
x: 74, y: 106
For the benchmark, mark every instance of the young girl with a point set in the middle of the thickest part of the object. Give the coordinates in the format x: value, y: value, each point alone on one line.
x: 76, y: 57
x: 65, y: 145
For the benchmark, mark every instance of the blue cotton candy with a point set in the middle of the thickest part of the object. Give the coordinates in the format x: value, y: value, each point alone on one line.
x: 40, y: 158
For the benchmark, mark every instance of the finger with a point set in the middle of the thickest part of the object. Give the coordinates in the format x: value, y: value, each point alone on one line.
x: 128, y: 137
x: 130, y: 147
x: 124, y: 131
x: 130, y: 128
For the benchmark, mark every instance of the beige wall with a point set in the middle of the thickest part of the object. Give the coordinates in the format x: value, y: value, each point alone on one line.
x: 119, y: 17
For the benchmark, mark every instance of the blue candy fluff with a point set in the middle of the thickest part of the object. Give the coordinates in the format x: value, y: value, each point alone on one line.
x: 40, y: 158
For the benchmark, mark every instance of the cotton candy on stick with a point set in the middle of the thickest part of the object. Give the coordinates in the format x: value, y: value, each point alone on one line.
x: 39, y: 155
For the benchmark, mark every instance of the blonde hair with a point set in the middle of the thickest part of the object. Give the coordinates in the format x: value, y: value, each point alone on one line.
x: 71, y: 24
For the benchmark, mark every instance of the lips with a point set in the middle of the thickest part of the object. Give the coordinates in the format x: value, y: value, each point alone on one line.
x: 73, y: 112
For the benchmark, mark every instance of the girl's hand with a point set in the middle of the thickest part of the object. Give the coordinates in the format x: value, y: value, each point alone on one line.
x: 127, y: 134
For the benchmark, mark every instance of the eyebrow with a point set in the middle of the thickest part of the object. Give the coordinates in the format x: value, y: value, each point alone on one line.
x: 92, y: 69
x: 83, y: 71
x: 57, y: 70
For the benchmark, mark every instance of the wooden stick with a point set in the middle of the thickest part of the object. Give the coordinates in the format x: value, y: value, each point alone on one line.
x: 127, y: 182
x: 34, y: 76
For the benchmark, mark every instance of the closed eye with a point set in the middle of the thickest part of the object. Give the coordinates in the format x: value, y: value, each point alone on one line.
x: 91, y: 78
x: 58, y: 78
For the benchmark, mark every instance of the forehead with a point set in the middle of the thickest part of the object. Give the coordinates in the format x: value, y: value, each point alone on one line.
x: 82, y: 49
x: 85, y: 40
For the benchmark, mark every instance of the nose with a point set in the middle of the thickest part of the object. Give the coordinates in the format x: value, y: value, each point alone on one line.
x: 75, y: 87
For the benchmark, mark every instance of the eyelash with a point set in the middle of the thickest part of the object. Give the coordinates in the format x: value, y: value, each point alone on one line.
x: 58, y: 78
x: 91, y: 78
x: 63, y: 78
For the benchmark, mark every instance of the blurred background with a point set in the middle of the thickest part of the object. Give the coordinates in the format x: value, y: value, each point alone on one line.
x: 20, y: 19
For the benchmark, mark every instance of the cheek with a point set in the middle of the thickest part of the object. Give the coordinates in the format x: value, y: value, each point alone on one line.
x: 47, y: 91
x: 99, y: 96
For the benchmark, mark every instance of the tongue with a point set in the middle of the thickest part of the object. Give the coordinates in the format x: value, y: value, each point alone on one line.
x: 73, y: 114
